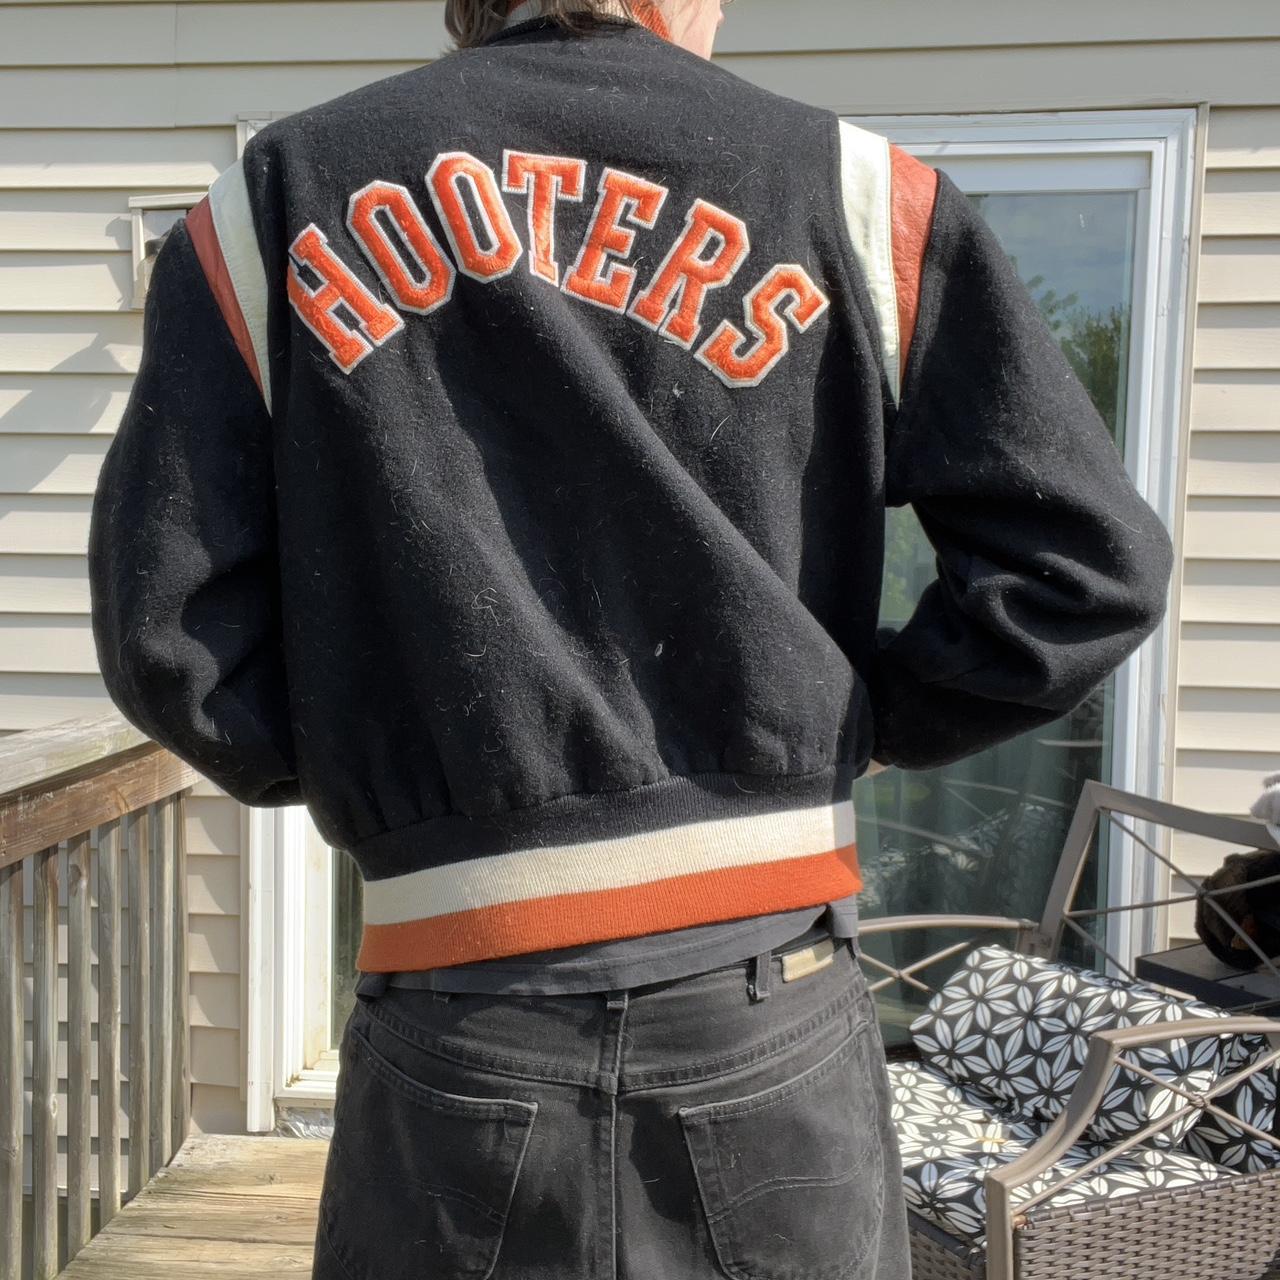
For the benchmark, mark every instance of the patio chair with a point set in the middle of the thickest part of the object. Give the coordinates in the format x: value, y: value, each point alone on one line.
x: 1060, y: 1122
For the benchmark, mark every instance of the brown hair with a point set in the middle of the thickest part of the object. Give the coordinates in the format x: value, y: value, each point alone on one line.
x: 471, y: 21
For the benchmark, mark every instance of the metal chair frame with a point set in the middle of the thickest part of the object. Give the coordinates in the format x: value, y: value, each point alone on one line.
x: 1107, y: 1049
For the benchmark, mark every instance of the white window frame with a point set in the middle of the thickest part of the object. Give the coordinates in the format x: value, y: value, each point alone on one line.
x: 289, y: 964
x: 249, y: 122
x: 289, y: 916
x: 151, y: 217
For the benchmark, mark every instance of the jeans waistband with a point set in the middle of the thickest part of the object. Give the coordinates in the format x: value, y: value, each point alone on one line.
x: 757, y: 967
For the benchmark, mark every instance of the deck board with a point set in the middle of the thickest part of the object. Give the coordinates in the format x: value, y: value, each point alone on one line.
x: 227, y: 1207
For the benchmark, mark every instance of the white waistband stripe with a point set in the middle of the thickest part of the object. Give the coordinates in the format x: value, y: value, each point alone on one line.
x: 617, y: 863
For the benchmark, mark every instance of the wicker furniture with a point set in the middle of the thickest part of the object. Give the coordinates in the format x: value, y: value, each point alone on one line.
x: 1059, y: 1122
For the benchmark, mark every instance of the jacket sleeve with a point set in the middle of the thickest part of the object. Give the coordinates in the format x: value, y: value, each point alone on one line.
x: 182, y: 545
x: 1051, y: 567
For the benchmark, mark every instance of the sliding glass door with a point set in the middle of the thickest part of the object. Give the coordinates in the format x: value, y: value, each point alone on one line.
x: 982, y: 835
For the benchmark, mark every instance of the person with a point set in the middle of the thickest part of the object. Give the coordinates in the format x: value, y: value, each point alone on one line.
x: 505, y: 480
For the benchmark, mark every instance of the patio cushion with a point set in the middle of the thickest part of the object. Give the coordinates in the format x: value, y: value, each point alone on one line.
x: 1017, y: 1027
x: 949, y: 1137
x: 1253, y: 1100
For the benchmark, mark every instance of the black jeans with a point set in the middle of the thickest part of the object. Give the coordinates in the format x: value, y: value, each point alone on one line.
x: 683, y: 1130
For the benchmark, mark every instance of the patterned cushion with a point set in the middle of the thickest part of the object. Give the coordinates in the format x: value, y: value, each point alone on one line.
x: 949, y: 1136
x: 1017, y: 1028
x: 1253, y: 1100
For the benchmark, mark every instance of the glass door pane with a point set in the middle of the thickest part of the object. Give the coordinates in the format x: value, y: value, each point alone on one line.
x: 982, y: 835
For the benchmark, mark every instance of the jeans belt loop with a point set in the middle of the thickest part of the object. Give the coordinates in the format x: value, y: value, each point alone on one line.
x: 761, y: 971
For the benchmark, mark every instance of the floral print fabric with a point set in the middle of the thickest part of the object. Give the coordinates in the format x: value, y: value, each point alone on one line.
x: 950, y: 1136
x: 1002, y: 1045
x: 1018, y: 1027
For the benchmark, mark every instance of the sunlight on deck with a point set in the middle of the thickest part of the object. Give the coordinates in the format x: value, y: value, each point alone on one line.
x: 230, y: 1207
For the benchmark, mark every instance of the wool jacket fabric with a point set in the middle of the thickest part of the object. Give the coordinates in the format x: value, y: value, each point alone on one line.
x: 505, y: 479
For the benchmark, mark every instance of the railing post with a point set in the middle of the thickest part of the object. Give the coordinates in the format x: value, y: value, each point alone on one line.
x: 161, y: 984
x: 11, y: 1069
x: 139, y: 832
x: 44, y: 1076
x: 108, y: 1021
x: 180, y: 1069
x: 79, y: 1040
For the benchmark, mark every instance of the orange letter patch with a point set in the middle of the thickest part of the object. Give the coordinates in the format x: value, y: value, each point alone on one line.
x: 501, y: 249
x: 621, y: 195
x: 338, y: 284
x: 685, y: 274
x: 805, y: 302
x: 544, y: 179
x: 422, y: 296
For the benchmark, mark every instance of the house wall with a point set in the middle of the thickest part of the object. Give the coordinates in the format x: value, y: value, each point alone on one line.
x: 1227, y: 730
x: 101, y: 101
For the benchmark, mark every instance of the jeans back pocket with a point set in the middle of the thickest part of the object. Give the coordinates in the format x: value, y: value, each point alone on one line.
x: 792, y: 1177
x: 419, y: 1181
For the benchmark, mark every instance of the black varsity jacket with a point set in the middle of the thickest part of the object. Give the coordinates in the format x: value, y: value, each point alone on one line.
x: 505, y: 480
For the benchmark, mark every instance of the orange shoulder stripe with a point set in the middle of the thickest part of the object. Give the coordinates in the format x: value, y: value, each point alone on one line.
x: 913, y: 191
x: 647, y: 12
x: 204, y: 239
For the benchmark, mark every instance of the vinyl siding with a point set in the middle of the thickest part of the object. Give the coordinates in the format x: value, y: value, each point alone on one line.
x: 68, y: 350
x: 102, y: 101
x: 1227, y: 732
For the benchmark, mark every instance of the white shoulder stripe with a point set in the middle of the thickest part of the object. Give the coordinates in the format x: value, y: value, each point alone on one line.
x: 865, y: 175
x: 233, y: 221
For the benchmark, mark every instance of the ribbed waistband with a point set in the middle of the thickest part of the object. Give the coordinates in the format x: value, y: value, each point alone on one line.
x: 600, y: 866
x: 598, y: 816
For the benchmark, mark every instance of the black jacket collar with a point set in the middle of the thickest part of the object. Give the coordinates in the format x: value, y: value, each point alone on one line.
x: 540, y: 22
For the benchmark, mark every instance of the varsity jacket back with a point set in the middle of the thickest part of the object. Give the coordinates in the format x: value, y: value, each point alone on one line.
x: 505, y: 480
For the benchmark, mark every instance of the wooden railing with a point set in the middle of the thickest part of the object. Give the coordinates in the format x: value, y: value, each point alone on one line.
x: 116, y: 800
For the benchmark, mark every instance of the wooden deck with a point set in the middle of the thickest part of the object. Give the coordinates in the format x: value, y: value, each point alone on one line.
x: 235, y: 1208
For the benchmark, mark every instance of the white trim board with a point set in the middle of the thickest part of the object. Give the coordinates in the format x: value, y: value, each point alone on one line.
x: 288, y: 965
